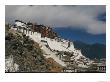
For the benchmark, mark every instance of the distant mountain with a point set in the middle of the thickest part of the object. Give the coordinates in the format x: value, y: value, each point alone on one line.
x: 91, y: 50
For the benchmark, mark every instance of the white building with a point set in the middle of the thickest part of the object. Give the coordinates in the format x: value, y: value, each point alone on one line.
x: 56, y: 45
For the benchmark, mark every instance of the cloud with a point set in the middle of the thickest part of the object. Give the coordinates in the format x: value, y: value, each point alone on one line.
x: 84, y: 16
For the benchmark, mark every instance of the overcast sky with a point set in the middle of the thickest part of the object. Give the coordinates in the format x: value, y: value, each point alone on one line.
x: 82, y: 17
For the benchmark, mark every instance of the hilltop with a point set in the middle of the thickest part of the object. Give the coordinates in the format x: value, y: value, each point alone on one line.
x: 31, y: 47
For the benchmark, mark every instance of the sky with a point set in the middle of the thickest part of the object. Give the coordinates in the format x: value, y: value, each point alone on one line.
x: 84, y: 20
x: 80, y: 35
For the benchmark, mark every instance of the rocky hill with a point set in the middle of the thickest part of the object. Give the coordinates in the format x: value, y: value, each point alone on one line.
x: 36, y: 48
x: 26, y: 53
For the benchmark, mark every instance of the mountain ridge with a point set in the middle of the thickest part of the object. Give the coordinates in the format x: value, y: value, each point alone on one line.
x: 89, y: 49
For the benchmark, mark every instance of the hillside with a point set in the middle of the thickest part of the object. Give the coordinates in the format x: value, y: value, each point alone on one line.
x: 36, y: 48
x: 27, y: 54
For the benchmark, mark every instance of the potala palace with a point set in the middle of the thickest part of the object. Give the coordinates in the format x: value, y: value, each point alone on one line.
x: 51, y: 45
